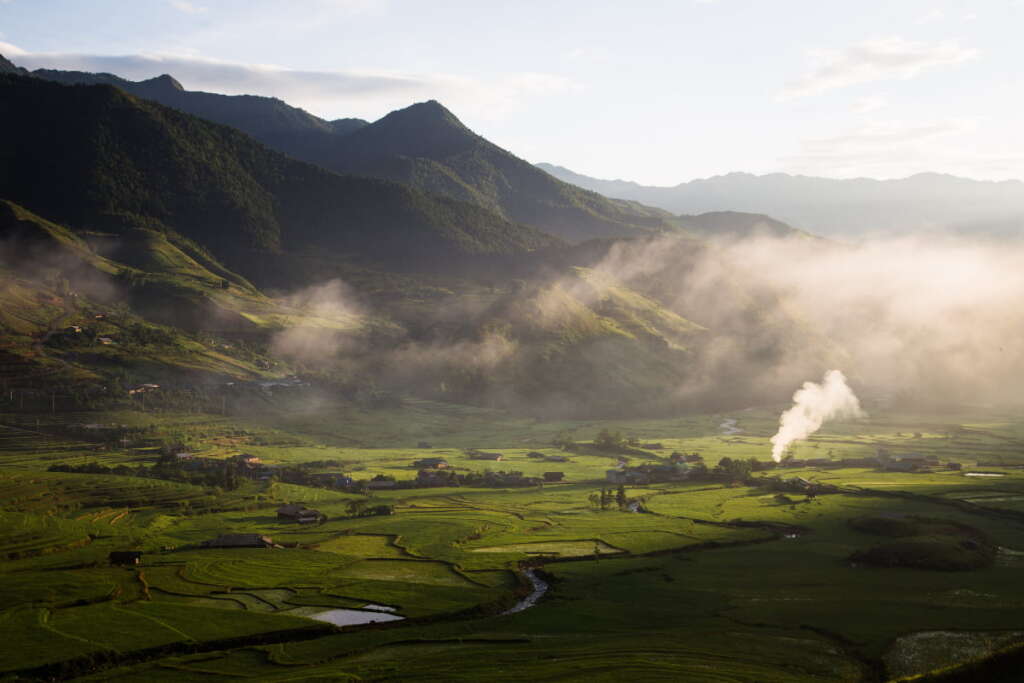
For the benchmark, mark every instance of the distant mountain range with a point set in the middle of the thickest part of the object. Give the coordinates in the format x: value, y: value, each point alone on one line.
x: 839, y: 208
x: 424, y: 146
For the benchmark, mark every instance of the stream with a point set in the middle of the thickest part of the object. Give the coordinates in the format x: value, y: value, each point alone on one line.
x: 540, y: 587
x: 729, y: 427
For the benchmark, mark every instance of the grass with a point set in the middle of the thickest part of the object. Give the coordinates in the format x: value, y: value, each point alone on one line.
x: 670, y: 595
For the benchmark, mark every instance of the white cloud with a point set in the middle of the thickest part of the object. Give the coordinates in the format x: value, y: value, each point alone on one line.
x: 363, y: 93
x: 9, y: 50
x: 186, y: 7
x: 932, y: 16
x: 866, y: 105
x: 875, y: 60
x: 895, y: 149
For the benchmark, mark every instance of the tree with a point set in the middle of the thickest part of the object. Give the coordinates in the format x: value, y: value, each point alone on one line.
x: 620, y: 497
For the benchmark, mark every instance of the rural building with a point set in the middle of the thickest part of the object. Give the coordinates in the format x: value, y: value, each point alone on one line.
x: 557, y: 458
x: 534, y: 454
x: 481, y: 455
x: 294, y: 512
x: 693, y: 457
x: 431, y: 463
x: 380, y: 484
x: 554, y: 476
x: 652, y: 446
x: 246, y: 459
x: 424, y: 444
x: 954, y: 466
x: 125, y: 557
x: 435, y: 478
x: 239, y: 541
x: 616, y: 476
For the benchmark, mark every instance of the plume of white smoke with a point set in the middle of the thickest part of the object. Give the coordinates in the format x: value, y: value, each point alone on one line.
x: 812, y: 405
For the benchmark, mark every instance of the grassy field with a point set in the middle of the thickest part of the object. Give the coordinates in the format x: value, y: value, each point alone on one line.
x: 712, y: 582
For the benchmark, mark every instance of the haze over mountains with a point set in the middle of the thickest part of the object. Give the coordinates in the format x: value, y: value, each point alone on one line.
x: 424, y: 146
x: 837, y: 208
x: 413, y: 256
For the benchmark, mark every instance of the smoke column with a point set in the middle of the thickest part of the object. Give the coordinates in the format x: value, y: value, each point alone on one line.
x: 812, y: 405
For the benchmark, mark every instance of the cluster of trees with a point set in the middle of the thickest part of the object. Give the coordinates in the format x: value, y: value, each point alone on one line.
x: 225, y: 477
x: 607, y: 497
x: 363, y: 508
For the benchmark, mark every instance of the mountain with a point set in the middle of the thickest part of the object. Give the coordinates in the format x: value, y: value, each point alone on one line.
x: 424, y: 146
x: 96, y: 158
x: 733, y: 224
x: 6, y: 67
x: 840, y: 208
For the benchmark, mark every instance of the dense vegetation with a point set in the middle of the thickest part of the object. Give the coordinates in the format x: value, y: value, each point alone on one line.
x: 424, y: 146
x: 121, y: 163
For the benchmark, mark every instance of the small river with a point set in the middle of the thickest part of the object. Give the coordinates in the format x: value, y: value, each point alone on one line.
x: 540, y: 587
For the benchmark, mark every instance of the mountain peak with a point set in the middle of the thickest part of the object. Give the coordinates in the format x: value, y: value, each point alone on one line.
x: 167, y: 81
x: 430, y: 112
x: 425, y: 129
x: 8, y: 67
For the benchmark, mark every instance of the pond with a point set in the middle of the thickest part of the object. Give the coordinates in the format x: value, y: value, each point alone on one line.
x: 353, y: 617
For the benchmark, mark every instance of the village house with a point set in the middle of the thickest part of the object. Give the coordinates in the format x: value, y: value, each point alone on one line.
x: 554, y: 476
x: 556, y: 458
x: 239, y: 541
x: 125, y: 557
x: 436, y: 478
x: 481, y: 455
x: 431, y: 463
x: 294, y: 512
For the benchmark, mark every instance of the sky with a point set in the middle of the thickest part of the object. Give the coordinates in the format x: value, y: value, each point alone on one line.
x: 655, y: 92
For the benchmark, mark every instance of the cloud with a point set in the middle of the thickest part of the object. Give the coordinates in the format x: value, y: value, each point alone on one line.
x: 364, y: 93
x: 866, y: 105
x: 187, y: 7
x: 932, y: 16
x: 886, y: 149
x: 875, y: 60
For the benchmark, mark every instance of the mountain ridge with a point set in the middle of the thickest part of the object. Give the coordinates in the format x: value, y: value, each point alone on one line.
x: 837, y: 207
x: 423, y: 145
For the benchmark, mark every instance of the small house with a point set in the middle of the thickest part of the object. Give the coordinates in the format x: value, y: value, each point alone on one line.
x: 424, y: 444
x: 557, y: 458
x: 239, y: 541
x: 616, y: 476
x: 554, y: 476
x: 481, y: 455
x: 125, y: 557
x: 431, y: 464
x: 294, y: 512
x: 106, y: 341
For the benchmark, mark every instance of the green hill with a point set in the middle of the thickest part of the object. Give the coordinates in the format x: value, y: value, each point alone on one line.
x: 93, y: 157
x: 424, y: 146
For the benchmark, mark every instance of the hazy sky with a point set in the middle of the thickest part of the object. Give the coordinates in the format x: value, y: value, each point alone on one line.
x: 657, y: 92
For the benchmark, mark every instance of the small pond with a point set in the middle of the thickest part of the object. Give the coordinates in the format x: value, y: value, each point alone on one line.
x: 353, y: 617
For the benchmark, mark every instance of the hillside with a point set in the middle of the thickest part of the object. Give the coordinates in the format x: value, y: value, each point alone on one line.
x: 424, y: 146
x: 832, y: 207
x: 121, y: 163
